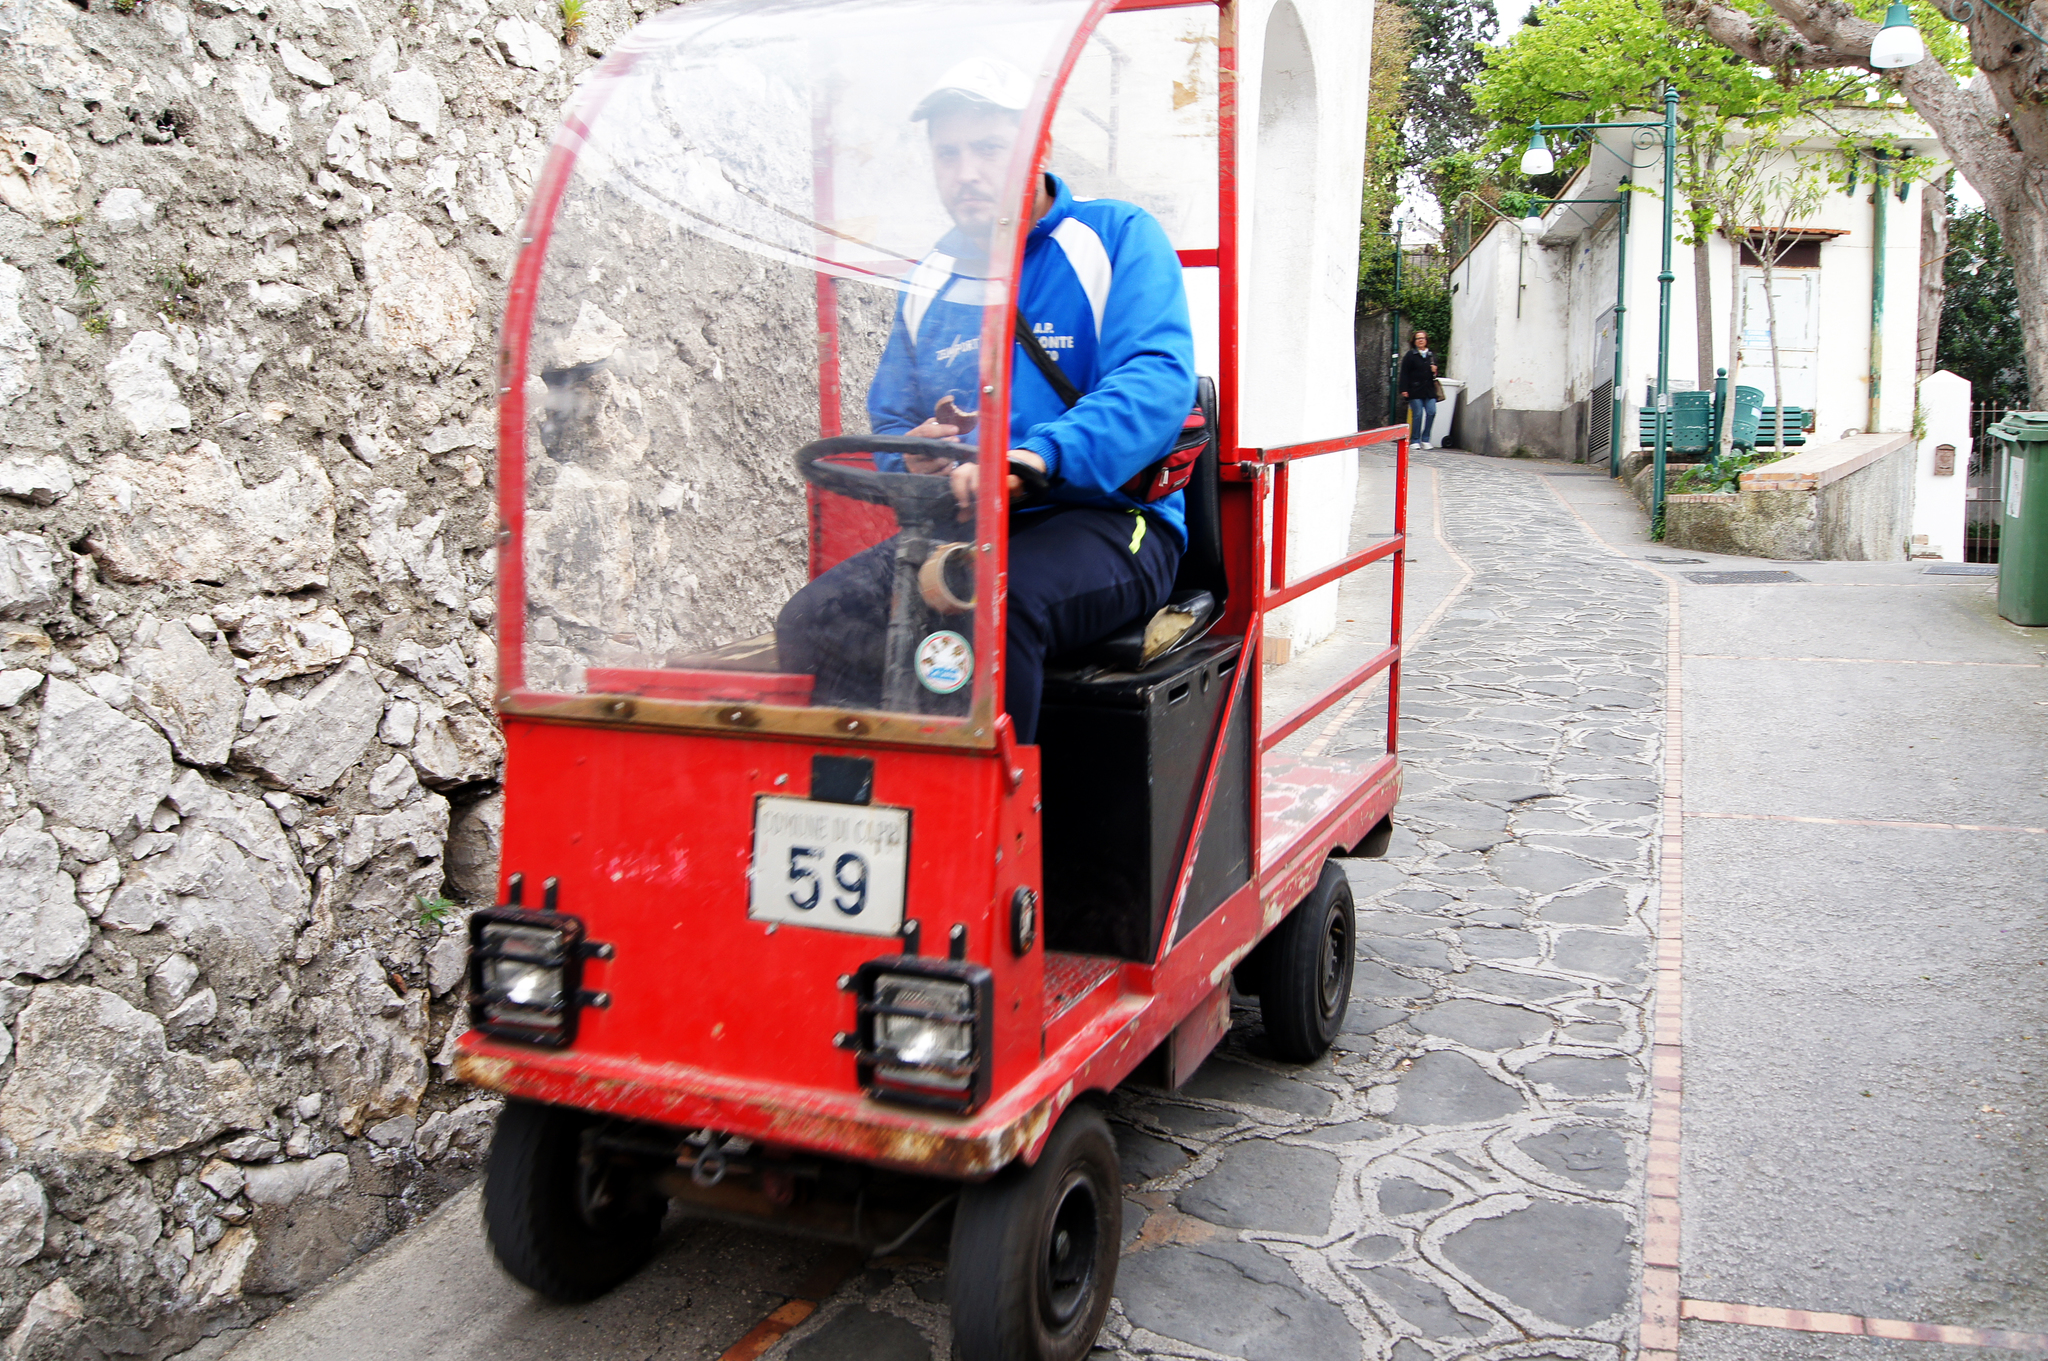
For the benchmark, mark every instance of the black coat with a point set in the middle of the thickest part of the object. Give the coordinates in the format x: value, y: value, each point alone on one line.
x: 1418, y: 374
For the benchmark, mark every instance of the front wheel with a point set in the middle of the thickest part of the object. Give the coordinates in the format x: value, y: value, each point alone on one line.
x: 1034, y: 1250
x: 1305, y: 984
x: 562, y: 1219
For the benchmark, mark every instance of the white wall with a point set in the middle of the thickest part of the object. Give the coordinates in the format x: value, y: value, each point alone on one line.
x: 1302, y: 106
x: 1543, y: 361
x: 1938, y: 502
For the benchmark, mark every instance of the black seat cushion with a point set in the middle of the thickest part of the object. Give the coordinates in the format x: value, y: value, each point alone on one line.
x: 1176, y: 625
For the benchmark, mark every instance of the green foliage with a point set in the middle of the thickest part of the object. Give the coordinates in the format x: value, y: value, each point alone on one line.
x: 179, y: 286
x: 85, y: 274
x: 1981, y: 338
x: 85, y: 271
x: 1449, y: 40
x: 1721, y: 477
x: 434, y: 911
x: 573, y: 18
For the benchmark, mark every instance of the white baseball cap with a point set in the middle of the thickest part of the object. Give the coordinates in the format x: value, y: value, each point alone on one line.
x: 979, y: 80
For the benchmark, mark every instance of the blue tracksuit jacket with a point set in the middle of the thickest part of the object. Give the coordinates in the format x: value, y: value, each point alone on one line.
x: 1102, y: 289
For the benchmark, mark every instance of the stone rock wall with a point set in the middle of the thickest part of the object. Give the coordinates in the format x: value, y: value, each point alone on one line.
x: 252, y: 254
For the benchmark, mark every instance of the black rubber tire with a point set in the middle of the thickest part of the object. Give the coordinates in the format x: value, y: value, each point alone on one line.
x: 534, y: 1215
x: 1309, y: 958
x: 1014, y: 1298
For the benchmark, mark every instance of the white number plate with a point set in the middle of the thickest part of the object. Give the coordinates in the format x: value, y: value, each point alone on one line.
x: 839, y: 866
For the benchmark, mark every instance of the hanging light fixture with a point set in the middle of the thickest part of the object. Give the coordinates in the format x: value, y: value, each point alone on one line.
x: 1897, y: 44
x: 1537, y: 160
x: 1532, y: 225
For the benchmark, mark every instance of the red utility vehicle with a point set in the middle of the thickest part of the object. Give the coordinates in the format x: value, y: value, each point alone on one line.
x: 839, y: 969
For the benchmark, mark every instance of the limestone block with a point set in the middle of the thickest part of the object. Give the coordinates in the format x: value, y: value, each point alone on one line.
x: 284, y: 637
x: 93, y: 1075
x: 308, y: 748
x: 447, y: 962
x: 473, y: 848
x: 393, y: 783
x: 190, y: 518
x: 440, y: 669
x: 216, y: 1274
x: 24, y: 1212
x: 44, y: 481
x: 126, y: 210
x: 283, y: 1183
x: 415, y: 97
x: 39, y: 175
x: 401, y: 720
x: 53, y: 1314
x: 142, y: 387
x: 19, y: 360
x: 526, y: 43
x: 302, y: 66
x: 421, y: 298
x: 466, y: 1130
x: 192, y: 697
x: 370, y: 1042
x: 17, y: 685
x: 230, y: 891
x: 456, y: 745
x: 43, y: 930
x: 266, y: 113
x: 29, y: 583
x: 360, y: 141
x: 94, y: 767
x: 396, y: 553
x: 398, y: 853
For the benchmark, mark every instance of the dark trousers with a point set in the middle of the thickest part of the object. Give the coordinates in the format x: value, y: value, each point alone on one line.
x: 1076, y: 574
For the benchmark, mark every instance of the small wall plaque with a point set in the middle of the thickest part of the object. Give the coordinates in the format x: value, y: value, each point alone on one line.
x: 1944, y: 460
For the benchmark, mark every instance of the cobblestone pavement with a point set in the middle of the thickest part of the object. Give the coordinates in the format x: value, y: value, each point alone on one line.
x: 1461, y: 1178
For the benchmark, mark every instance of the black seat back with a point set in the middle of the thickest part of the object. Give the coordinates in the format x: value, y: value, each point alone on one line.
x: 1201, y: 567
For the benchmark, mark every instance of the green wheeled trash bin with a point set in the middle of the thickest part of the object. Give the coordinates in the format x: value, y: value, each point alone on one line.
x: 2023, y: 526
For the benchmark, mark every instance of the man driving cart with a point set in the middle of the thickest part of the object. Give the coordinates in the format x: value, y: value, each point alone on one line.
x: 1102, y: 301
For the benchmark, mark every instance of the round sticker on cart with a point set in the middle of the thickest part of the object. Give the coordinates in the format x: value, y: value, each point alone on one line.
x: 945, y: 662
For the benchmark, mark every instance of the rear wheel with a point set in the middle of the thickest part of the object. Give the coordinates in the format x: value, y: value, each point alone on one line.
x: 1034, y: 1250
x: 564, y: 1220
x: 1305, y: 984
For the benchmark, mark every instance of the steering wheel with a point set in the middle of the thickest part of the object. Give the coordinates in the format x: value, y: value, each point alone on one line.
x: 913, y: 496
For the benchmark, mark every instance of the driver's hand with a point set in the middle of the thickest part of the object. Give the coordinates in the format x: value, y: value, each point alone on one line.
x: 967, y: 481
x: 924, y: 463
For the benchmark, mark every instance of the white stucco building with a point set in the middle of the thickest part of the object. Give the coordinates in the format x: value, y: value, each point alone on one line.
x: 1535, y: 317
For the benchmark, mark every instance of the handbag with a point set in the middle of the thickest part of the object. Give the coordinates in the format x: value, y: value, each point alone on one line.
x: 1165, y: 476
x: 1439, y: 388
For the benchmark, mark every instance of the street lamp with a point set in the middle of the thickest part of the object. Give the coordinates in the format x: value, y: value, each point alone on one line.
x: 1898, y: 43
x: 1539, y: 154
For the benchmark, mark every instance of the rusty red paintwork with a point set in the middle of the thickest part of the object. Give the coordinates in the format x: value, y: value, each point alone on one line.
x: 722, y: 1022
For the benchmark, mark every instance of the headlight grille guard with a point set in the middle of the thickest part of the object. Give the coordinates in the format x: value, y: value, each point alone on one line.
x: 870, y: 1056
x: 568, y: 959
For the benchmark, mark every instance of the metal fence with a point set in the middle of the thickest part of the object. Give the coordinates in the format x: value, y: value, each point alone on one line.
x: 1986, y: 492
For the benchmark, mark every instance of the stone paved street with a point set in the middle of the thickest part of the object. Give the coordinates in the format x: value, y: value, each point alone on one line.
x: 1465, y: 1177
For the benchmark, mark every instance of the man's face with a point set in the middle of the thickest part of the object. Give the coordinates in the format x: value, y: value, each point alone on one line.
x: 970, y: 153
x: 1422, y: 340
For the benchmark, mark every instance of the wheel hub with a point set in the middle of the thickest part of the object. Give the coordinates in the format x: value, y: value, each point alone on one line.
x: 1067, y: 1267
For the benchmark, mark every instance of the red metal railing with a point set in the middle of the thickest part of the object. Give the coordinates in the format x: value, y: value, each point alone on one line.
x: 1277, y: 590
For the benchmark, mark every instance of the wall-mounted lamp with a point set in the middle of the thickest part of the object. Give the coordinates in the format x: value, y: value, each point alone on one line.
x: 1898, y: 43
x: 1537, y: 160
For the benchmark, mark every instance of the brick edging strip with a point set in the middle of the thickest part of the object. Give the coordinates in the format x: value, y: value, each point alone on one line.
x: 1854, y: 1325
x: 1659, y: 1329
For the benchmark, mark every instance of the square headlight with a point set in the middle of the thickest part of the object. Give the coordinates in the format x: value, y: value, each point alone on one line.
x: 926, y: 1030
x: 525, y: 972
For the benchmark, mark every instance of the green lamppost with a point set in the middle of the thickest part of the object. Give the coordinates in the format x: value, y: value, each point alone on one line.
x: 1537, y: 160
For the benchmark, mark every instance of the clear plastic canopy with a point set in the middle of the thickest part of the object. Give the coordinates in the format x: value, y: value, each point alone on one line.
x: 748, y: 205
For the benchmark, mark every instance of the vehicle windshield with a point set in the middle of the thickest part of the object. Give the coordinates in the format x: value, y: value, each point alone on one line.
x: 776, y: 224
